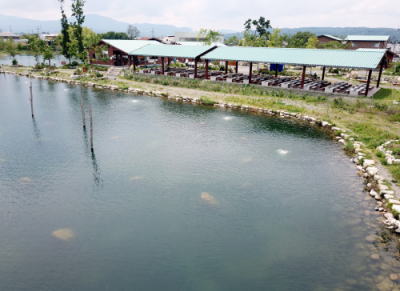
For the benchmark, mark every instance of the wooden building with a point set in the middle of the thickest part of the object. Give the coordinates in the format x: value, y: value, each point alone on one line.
x: 367, y: 41
x: 325, y: 38
x: 116, y: 52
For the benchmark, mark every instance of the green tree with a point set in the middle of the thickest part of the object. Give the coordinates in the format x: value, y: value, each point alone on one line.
x: 275, y: 39
x: 210, y: 36
x: 332, y: 45
x: 256, y: 32
x: 65, y: 38
x: 47, y: 53
x: 90, y: 38
x: 233, y: 40
x: 78, y: 14
x: 36, y: 46
x: 11, y: 49
x: 312, y: 42
x: 300, y: 39
x: 133, y: 32
x: 260, y: 27
x: 114, y: 35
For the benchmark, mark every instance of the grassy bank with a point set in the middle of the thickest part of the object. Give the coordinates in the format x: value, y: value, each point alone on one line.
x: 372, y: 121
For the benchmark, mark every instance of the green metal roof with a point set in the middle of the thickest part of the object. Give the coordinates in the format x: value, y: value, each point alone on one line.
x: 173, y: 51
x: 129, y: 45
x: 293, y: 56
x: 367, y: 37
x: 199, y: 43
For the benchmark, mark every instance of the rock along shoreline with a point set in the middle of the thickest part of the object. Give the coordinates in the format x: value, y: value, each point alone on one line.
x: 388, y: 203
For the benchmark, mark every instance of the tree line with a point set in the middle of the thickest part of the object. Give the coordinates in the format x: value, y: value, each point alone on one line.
x: 259, y: 33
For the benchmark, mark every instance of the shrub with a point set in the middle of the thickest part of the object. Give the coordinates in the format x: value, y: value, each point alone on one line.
x: 349, y: 148
x: 207, y: 101
x: 14, y: 62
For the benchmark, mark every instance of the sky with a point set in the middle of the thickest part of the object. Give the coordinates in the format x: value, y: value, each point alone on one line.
x: 224, y: 14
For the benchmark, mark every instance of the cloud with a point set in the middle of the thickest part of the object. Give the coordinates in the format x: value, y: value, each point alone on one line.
x: 224, y: 14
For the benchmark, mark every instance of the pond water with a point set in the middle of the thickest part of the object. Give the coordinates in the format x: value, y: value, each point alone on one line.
x: 29, y: 60
x: 177, y: 197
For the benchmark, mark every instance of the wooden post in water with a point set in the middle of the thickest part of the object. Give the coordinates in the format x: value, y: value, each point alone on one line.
x: 31, y: 96
x: 83, y: 113
x: 91, y: 127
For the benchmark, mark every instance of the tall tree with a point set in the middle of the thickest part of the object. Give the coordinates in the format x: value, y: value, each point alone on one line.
x: 133, y: 32
x: 77, y: 12
x: 256, y: 32
x: 64, y: 32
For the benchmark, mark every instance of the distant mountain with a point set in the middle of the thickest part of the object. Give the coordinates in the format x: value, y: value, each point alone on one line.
x: 339, y: 31
x: 103, y: 24
x: 96, y: 22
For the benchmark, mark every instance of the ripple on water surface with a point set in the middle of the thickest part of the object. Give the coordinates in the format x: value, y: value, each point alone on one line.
x: 175, y: 197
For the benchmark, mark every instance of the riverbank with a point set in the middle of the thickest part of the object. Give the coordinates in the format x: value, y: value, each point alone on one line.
x: 360, y: 124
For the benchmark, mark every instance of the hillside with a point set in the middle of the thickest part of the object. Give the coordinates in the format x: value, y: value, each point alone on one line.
x: 341, y: 31
x: 96, y: 22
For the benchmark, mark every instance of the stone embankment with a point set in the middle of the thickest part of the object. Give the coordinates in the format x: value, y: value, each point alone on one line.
x: 387, y: 201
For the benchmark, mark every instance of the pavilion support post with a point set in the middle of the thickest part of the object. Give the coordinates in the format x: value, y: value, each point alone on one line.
x: 236, y: 67
x: 303, y: 76
x: 323, y: 73
x: 368, y: 82
x: 379, y: 76
x: 134, y: 63
x: 168, y: 63
x: 195, y: 68
x: 250, y: 72
x: 206, y: 74
x: 276, y: 70
x: 226, y: 67
x: 162, y: 65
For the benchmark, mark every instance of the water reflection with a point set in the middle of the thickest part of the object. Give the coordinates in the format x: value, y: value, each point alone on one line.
x: 36, y: 130
x: 265, y: 223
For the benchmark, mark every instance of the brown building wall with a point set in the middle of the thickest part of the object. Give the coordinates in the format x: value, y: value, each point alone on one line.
x: 368, y: 44
x: 324, y: 39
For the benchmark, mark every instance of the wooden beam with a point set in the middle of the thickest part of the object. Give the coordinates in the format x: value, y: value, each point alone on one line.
x: 276, y: 70
x: 195, y: 68
x: 206, y: 74
x: 236, y: 67
x: 379, y: 76
x: 162, y: 65
x: 368, y: 82
x: 303, y: 76
x: 168, y: 63
x: 226, y: 67
x: 250, y: 72
x: 323, y: 73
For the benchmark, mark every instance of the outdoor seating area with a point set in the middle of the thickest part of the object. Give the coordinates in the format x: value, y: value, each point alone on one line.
x: 201, y: 62
x: 266, y: 80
